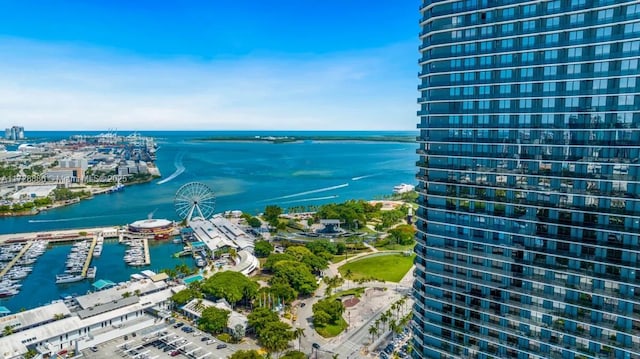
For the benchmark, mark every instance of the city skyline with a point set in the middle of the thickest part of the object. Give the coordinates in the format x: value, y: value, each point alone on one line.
x: 291, y: 66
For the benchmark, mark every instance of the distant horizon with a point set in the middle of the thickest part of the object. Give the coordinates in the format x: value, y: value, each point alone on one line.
x: 201, y: 130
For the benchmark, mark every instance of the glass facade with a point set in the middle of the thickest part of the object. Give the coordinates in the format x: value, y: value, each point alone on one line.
x: 529, y: 180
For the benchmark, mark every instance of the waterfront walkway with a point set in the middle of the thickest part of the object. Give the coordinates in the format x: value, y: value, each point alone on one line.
x: 147, y: 256
x: 89, y: 256
x: 15, y: 259
x: 59, y: 235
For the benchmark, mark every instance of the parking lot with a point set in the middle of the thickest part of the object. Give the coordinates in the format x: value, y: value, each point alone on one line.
x: 398, y: 345
x: 178, y: 341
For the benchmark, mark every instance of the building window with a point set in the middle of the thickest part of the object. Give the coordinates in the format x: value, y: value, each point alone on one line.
x: 507, y: 28
x: 486, y: 61
x: 508, y: 13
x: 576, y: 35
x: 506, y: 43
x: 551, y: 55
x: 633, y: 9
x: 549, y: 87
x: 574, y: 69
x: 548, y: 102
x: 484, y: 90
x: 572, y: 85
x: 625, y: 100
x: 574, y: 52
x: 506, y: 74
x: 601, y: 66
x: 528, y: 41
x: 486, y: 46
x: 486, y: 30
x: 504, y: 104
x: 631, y: 64
x: 483, y: 105
x: 631, y: 46
x: 505, y: 89
x: 526, y: 88
x: 553, y: 5
x: 526, y: 72
x: 602, y: 50
x: 527, y: 57
x: 576, y: 19
x: 606, y: 31
x: 551, y: 70
x: 551, y: 39
x: 571, y: 102
x: 553, y: 22
x: 485, y: 75
x: 599, y: 84
x: 605, y: 14
x: 525, y: 103
x: 529, y: 25
x: 627, y: 82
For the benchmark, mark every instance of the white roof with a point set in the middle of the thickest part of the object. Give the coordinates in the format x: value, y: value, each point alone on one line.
x: 151, y: 223
x: 36, y: 191
x: 114, y: 293
x: 34, y: 316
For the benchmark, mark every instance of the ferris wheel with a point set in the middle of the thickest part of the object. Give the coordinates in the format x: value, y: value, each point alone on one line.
x: 194, y: 199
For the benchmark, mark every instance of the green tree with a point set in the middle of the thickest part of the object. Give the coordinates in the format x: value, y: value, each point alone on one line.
x: 254, y: 222
x: 275, y: 336
x: 304, y: 255
x: 259, y: 318
x: 7, y: 331
x: 232, y: 286
x: 182, y: 297
x: 246, y: 354
x: 294, y: 354
x: 297, y: 274
x: 298, y: 333
x: 263, y: 249
x: 213, y: 320
x: 275, y: 258
x: 272, y: 214
x: 403, y: 234
x: 334, y: 308
x: 373, y: 331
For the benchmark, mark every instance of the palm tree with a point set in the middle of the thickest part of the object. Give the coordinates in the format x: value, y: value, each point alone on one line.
x: 373, y: 331
x: 348, y: 275
x: 298, y: 333
x: 384, y: 318
x: 377, y: 324
x: 7, y: 331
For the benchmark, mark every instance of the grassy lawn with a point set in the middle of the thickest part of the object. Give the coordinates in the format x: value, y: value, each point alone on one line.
x: 353, y: 291
x: 332, y: 330
x: 391, y: 267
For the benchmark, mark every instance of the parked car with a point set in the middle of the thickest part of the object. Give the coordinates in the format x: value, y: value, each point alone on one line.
x: 221, y: 346
x: 178, y: 325
x: 175, y: 353
x: 94, y: 348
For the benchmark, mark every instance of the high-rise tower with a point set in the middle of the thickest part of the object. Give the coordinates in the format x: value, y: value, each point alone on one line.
x: 529, y: 172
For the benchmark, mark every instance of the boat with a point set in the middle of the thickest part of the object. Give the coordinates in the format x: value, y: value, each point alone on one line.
x: 116, y: 188
x: 403, y: 188
x: 91, y: 272
x: 68, y: 278
x: 4, y: 293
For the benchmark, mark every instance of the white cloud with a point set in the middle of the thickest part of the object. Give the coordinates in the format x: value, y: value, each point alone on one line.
x: 60, y: 87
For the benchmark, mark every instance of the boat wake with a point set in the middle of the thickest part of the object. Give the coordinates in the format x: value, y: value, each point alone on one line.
x: 311, y: 199
x: 179, y: 169
x: 310, y: 192
x: 363, y: 177
x: 63, y: 219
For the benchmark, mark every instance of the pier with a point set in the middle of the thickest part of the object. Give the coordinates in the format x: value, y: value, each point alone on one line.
x: 87, y: 261
x: 147, y: 256
x: 15, y: 259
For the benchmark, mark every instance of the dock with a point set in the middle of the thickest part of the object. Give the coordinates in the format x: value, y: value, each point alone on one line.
x: 87, y: 261
x: 147, y: 256
x: 15, y: 259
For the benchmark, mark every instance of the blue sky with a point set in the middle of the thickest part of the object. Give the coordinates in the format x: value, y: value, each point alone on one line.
x: 214, y: 65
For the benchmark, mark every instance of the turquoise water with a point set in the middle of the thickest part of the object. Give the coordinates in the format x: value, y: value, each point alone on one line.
x: 245, y: 175
x: 40, y: 288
